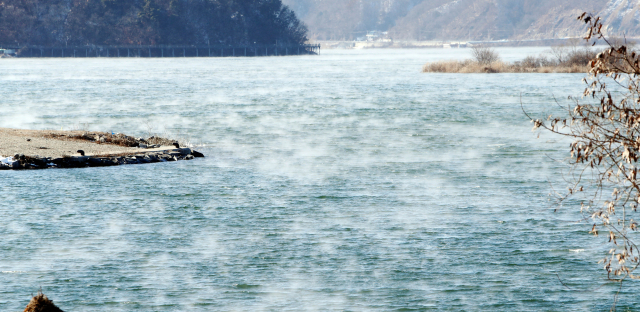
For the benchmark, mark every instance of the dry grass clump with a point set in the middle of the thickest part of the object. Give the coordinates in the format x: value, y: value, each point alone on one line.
x: 40, y: 303
x: 465, y: 67
x: 160, y: 141
x: 97, y: 137
x: 109, y: 138
x: 574, y: 61
x: 469, y: 66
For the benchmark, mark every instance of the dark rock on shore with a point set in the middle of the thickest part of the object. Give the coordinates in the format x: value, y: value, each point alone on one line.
x: 20, y: 161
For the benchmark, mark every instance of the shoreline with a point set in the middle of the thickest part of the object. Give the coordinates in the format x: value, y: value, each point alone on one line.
x: 44, y: 149
x: 446, y: 44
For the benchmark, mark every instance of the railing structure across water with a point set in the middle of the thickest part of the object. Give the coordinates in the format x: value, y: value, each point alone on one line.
x: 166, y: 51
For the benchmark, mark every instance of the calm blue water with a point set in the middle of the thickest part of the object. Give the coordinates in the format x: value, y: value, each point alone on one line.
x: 347, y: 181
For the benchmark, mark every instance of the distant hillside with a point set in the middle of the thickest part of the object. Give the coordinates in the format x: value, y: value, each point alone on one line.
x: 462, y: 19
x: 100, y: 22
x: 348, y: 19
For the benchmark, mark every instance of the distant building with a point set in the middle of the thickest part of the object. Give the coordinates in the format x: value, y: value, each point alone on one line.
x: 375, y: 35
x: 372, y: 35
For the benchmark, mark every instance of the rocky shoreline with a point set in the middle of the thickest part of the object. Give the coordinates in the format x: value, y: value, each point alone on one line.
x: 66, y: 149
x: 20, y: 161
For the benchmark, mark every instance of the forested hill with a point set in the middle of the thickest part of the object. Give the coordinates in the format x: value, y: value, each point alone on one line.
x: 462, y: 19
x: 148, y: 22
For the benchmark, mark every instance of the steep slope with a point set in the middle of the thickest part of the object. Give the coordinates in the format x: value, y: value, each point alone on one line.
x: 463, y: 19
x: 622, y: 16
x: 348, y: 19
x: 106, y: 22
x: 490, y: 19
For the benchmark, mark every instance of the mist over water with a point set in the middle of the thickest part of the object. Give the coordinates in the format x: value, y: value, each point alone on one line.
x: 344, y: 181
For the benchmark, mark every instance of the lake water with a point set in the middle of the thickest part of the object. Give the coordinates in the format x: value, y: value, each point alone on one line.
x: 348, y: 181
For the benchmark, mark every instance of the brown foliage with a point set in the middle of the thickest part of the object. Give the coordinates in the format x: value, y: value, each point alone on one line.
x: 40, y: 303
x: 605, y: 128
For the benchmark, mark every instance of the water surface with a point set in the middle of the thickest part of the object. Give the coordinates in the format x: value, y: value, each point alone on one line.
x: 344, y: 181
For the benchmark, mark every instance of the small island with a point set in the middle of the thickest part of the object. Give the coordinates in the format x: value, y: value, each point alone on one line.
x: 43, y: 149
x: 564, y: 59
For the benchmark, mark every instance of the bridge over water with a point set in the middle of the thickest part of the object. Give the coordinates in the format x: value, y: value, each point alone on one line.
x: 164, y: 50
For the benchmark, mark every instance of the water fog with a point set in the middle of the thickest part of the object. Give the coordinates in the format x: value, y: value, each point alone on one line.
x: 344, y: 181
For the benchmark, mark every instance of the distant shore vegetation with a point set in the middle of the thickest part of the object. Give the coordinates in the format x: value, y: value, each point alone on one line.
x: 562, y: 59
x: 148, y: 22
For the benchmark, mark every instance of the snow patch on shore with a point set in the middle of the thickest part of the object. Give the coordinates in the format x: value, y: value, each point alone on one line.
x: 6, y: 160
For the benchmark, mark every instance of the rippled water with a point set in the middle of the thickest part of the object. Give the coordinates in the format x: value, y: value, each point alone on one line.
x: 345, y: 181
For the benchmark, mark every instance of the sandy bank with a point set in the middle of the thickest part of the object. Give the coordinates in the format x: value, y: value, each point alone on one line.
x: 39, y: 149
x: 51, y: 143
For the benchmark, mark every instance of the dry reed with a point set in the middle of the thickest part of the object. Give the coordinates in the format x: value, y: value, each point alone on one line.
x: 469, y: 66
x: 40, y: 303
x: 109, y: 138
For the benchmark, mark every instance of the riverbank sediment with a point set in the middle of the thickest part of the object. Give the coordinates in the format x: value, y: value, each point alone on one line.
x: 42, y: 149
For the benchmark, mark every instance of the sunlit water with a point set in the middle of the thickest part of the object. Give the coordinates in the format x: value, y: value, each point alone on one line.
x: 345, y: 181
